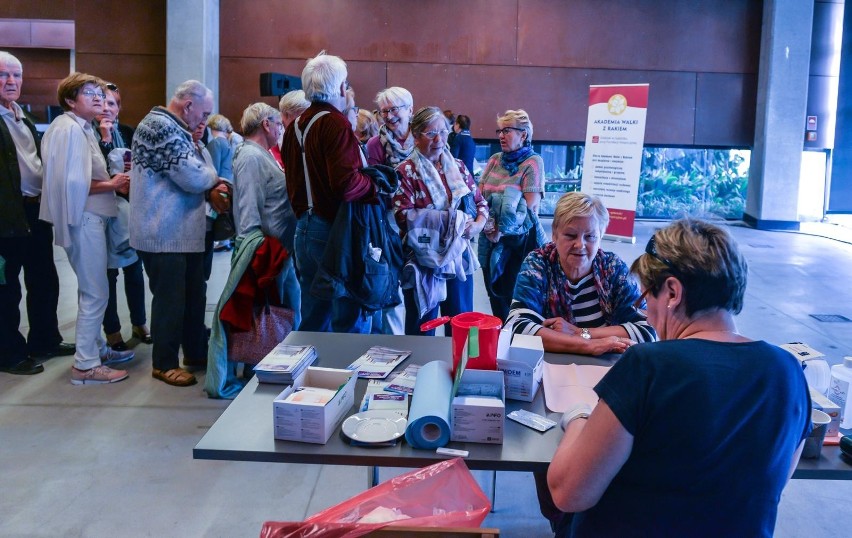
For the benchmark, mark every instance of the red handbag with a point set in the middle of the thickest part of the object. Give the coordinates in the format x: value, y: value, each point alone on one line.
x: 270, y: 326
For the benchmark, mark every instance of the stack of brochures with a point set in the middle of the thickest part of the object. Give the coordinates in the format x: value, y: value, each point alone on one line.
x: 285, y: 363
x: 378, y: 362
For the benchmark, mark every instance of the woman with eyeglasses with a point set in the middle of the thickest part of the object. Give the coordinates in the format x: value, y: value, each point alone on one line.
x: 390, y: 147
x: 696, y: 434
x: 512, y: 184
x: 439, y: 210
x: 113, y: 136
x: 78, y: 197
x: 394, y: 143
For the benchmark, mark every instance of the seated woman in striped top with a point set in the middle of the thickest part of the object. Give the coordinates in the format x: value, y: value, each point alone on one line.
x: 577, y: 297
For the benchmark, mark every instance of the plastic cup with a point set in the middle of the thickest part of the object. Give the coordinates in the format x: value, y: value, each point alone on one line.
x: 813, y: 444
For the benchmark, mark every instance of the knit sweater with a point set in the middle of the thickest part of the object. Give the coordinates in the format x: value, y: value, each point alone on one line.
x: 168, y: 180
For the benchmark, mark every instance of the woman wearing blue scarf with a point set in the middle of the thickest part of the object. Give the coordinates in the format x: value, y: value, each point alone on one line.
x: 513, y: 183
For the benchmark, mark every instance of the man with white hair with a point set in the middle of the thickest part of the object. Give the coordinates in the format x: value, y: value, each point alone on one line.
x: 169, y: 182
x: 332, y: 159
x: 25, y: 241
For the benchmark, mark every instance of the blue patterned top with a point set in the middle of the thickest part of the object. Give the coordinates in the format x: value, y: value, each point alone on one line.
x: 543, y: 291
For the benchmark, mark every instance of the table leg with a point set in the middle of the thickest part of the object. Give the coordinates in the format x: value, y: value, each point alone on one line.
x: 493, y: 489
x: 373, y: 476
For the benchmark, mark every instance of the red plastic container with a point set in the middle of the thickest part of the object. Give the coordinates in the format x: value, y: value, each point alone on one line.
x: 489, y: 333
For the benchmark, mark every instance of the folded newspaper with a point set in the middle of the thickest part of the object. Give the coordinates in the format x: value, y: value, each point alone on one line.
x: 285, y: 363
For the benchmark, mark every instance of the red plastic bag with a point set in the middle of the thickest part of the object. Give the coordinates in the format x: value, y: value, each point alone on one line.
x: 441, y: 495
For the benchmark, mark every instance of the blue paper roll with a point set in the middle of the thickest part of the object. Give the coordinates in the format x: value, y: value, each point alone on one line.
x: 429, y: 416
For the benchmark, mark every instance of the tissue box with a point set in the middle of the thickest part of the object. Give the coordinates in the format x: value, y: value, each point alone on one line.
x: 479, y: 408
x: 821, y: 402
x: 521, y: 364
x: 313, y: 422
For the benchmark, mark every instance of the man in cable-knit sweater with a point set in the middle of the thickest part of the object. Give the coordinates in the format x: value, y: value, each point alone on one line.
x: 169, y: 182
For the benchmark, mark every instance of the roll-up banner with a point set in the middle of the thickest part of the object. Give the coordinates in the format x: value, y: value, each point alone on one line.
x: 615, y: 135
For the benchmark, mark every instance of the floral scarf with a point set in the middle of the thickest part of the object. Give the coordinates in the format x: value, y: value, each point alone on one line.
x: 512, y: 160
x: 395, y: 152
x: 432, y: 179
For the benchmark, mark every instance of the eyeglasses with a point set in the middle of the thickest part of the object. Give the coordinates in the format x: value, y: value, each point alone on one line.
x: 348, y: 86
x: 277, y: 123
x: 434, y: 134
x: 391, y: 110
x: 354, y: 109
x: 92, y: 93
x: 651, y: 250
x: 506, y: 130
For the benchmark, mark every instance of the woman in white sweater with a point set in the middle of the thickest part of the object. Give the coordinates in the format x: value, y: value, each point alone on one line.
x: 78, y: 198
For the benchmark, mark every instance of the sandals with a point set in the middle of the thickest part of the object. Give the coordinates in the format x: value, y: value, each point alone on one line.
x: 176, y: 376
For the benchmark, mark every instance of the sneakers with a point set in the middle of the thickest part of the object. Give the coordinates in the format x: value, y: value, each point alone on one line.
x: 96, y: 376
x: 113, y: 356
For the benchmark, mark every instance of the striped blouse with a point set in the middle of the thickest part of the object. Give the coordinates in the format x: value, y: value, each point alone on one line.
x: 603, y: 298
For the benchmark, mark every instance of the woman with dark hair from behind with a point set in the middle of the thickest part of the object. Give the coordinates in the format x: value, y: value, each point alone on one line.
x: 462, y: 146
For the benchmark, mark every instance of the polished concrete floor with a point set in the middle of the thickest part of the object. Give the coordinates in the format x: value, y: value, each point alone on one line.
x: 116, y: 460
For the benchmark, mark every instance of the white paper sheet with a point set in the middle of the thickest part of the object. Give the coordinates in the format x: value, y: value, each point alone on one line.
x: 568, y: 384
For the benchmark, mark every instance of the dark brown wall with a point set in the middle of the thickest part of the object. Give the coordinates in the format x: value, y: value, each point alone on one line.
x: 481, y: 57
x: 122, y: 42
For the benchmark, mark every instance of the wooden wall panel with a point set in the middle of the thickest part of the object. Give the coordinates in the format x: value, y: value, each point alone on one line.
x: 134, y: 27
x: 239, y: 82
x: 131, y: 51
x: 481, y: 57
x: 39, y: 9
x: 443, y: 31
x: 724, y: 112
x: 684, y: 35
x: 14, y: 33
x: 141, y: 80
x: 558, y: 106
x: 43, y: 69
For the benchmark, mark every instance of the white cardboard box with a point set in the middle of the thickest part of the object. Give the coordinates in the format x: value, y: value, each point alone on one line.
x: 478, y: 419
x: 821, y: 402
x: 310, y: 422
x: 521, y: 364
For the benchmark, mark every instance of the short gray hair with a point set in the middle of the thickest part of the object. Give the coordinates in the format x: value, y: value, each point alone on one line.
x: 519, y: 119
x: 192, y: 90
x: 322, y: 77
x: 8, y: 58
x: 293, y: 103
x: 423, y: 117
x: 395, y: 96
x: 254, y: 115
x: 579, y: 204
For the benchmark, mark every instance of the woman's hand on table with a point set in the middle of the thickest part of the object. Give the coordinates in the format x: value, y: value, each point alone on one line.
x: 609, y: 344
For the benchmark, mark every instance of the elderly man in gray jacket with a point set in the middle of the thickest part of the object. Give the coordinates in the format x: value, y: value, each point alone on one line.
x: 169, y: 183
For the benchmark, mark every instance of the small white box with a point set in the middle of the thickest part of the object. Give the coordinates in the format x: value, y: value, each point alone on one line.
x: 821, y: 402
x: 521, y: 364
x: 479, y: 416
x: 312, y: 422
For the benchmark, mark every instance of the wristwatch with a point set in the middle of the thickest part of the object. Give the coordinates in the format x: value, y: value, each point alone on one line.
x: 586, y: 334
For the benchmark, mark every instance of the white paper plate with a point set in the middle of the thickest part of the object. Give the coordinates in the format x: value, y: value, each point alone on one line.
x: 379, y: 426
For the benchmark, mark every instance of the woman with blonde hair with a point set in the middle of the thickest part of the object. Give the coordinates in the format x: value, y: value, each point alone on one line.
x: 512, y: 183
